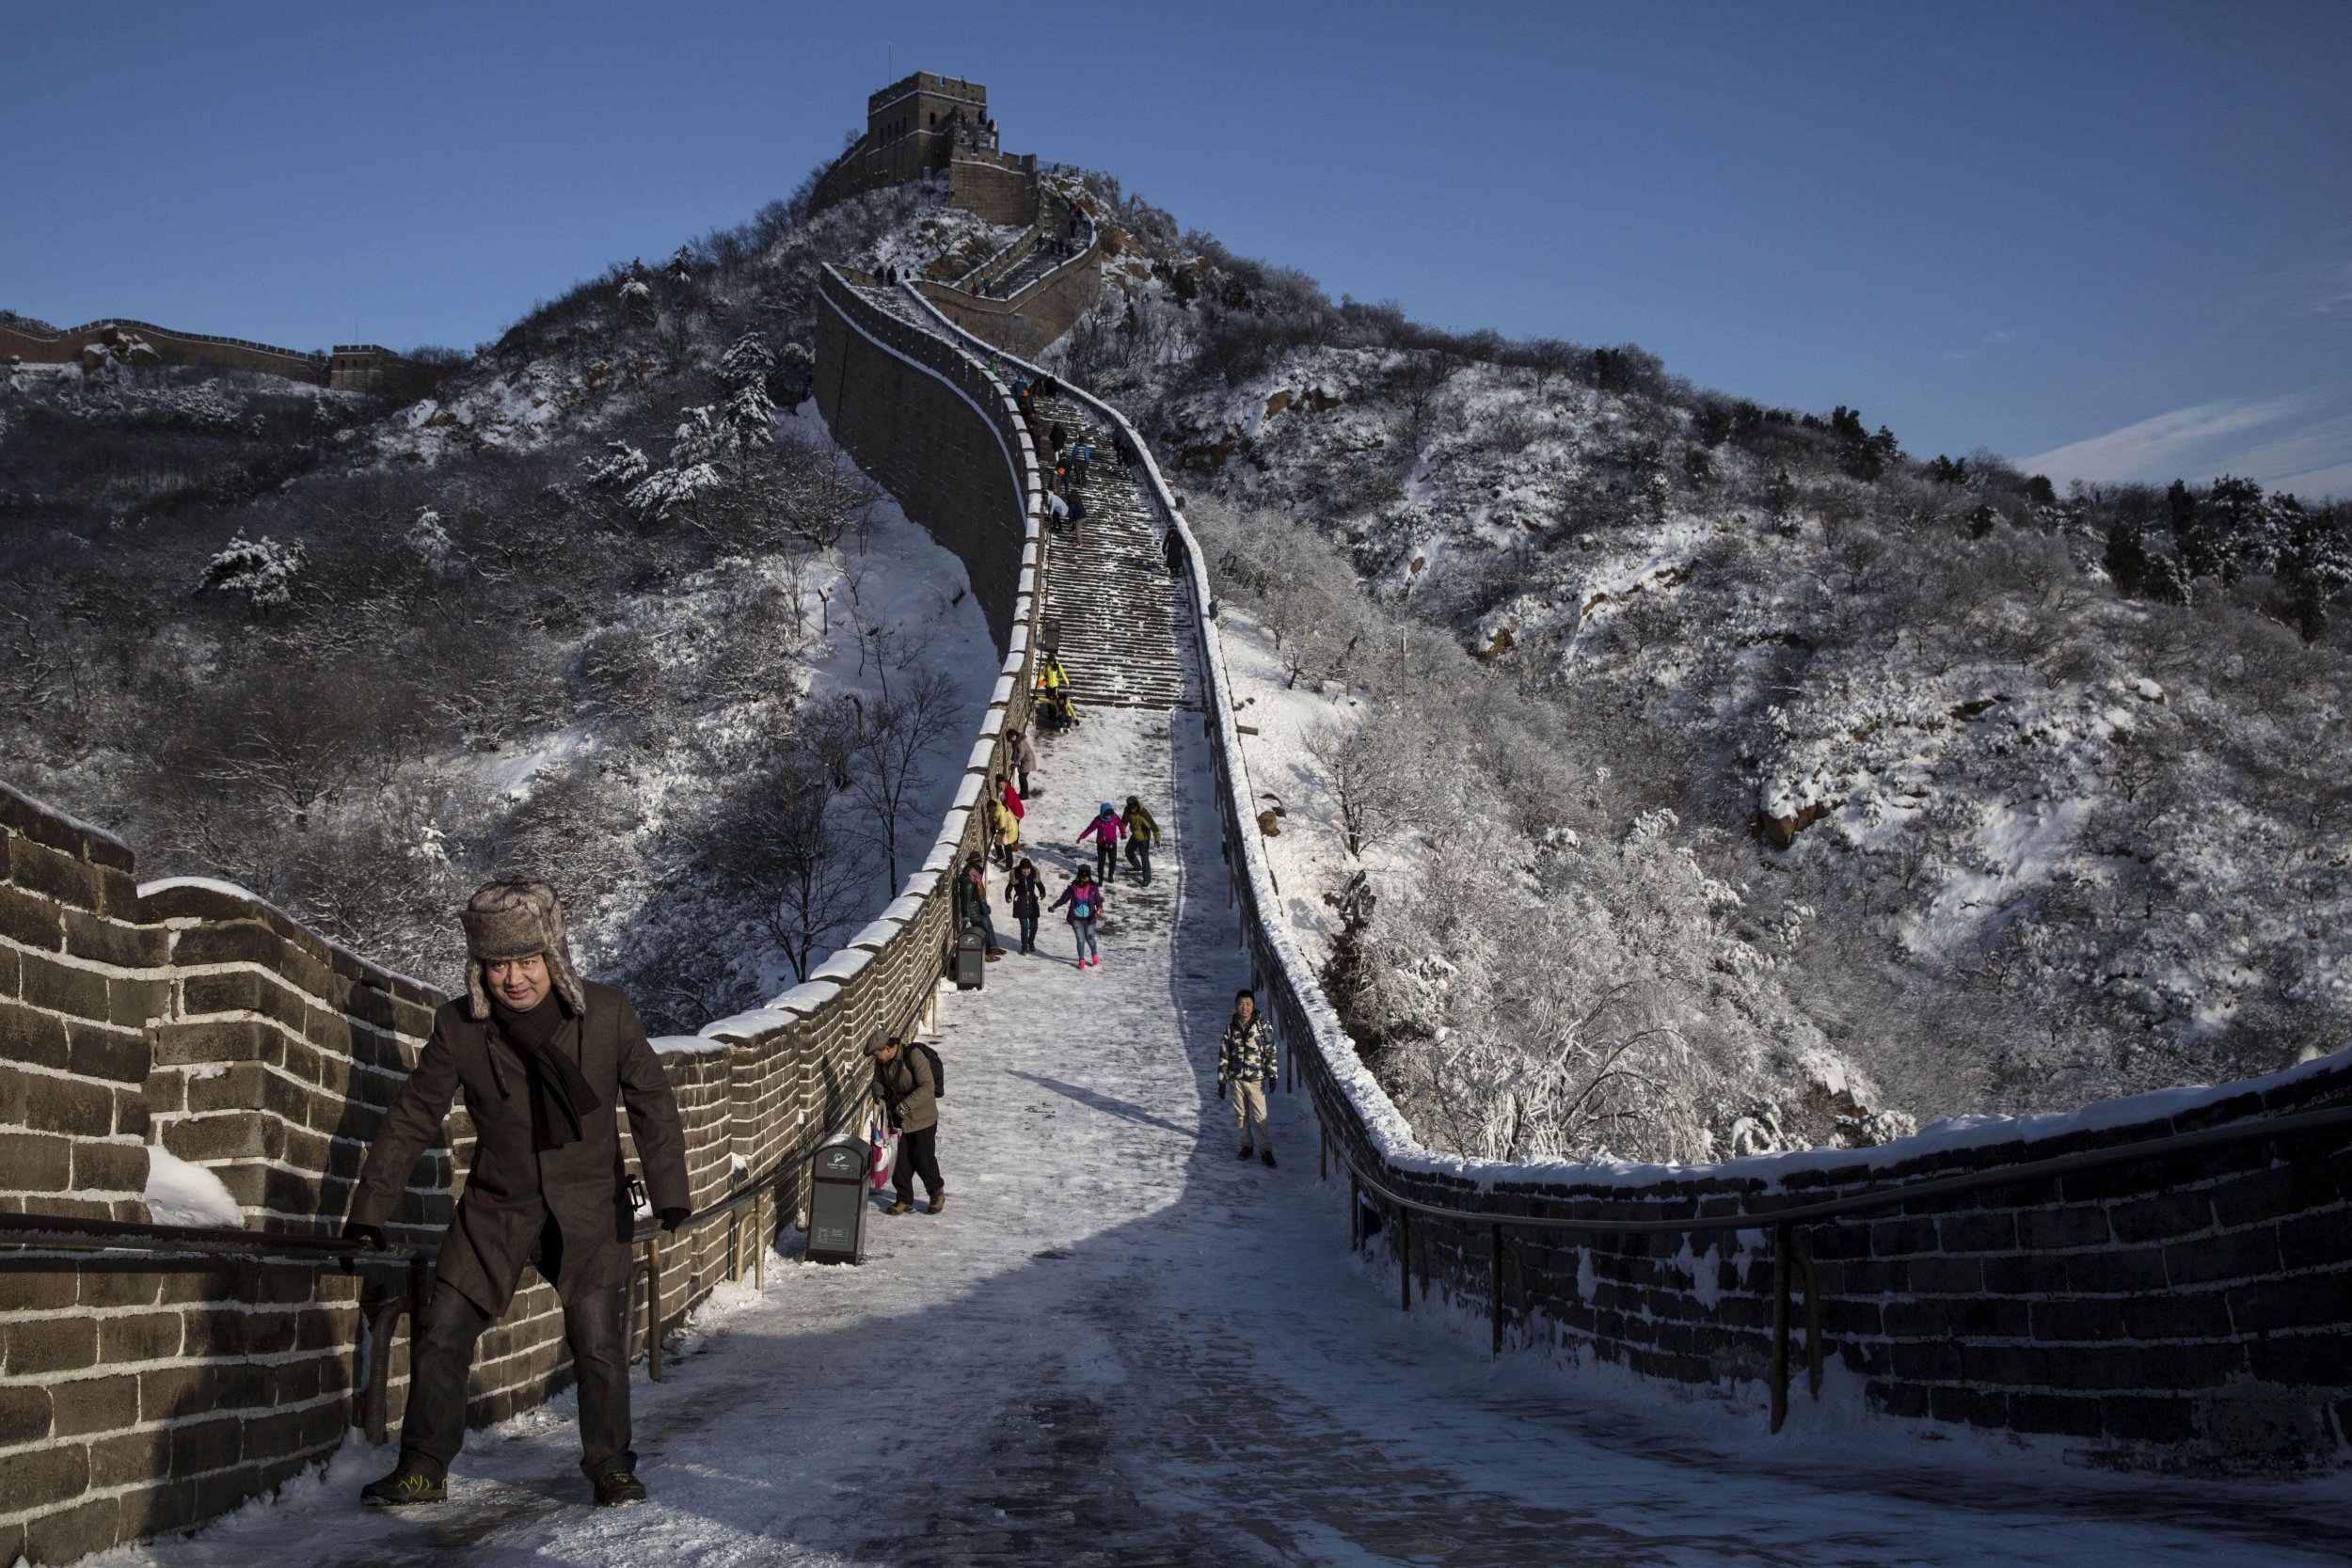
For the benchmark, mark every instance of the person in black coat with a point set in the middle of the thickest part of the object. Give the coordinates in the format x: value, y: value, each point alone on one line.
x: 1028, y: 892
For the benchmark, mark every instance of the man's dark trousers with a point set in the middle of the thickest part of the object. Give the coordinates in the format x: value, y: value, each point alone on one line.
x: 434, y: 1425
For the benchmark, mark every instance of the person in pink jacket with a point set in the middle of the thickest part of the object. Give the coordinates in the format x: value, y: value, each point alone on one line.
x: 1107, y: 830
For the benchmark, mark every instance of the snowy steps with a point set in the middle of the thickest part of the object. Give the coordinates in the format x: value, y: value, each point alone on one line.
x: 1109, y: 599
x: 1110, y: 605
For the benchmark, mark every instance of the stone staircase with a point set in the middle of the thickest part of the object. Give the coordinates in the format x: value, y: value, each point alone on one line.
x: 1110, y: 605
x: 1108, y: 596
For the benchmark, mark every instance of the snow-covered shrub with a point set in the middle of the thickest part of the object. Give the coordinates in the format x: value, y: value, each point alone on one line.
x: 262, y: 569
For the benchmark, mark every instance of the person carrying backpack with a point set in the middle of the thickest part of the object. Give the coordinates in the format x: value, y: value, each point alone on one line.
x: 1246, y: 1060
x: 1142, y: 833
x: 907, y: 1091
x: 972, y: 904
x: 1106, y: 831
x: 1027, y: 889
x: 1085, y: 897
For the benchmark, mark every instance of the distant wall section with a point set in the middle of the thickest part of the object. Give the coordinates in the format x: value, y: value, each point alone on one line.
x: 352, y: 366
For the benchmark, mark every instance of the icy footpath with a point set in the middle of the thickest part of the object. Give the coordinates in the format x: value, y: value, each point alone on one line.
x: 1119, y: 1345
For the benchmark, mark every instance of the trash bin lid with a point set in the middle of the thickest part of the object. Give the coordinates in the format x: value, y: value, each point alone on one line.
x: 841, y: 1158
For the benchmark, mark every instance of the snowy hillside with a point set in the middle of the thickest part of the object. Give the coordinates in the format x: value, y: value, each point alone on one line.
x: 587, y: 607
x: 2015, y: 799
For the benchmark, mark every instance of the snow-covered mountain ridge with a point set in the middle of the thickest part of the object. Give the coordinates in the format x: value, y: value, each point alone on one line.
x: 581, y: 603
x: 2026, y: 799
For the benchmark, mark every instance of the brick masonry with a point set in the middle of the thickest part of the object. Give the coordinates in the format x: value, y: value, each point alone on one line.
x: 923, y: 126
x: 137, y: 1402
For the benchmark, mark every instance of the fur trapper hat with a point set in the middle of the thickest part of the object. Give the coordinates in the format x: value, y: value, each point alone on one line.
x: 514, y: 920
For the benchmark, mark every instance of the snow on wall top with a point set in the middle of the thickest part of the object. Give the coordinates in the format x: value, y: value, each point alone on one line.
x: 230, y: 889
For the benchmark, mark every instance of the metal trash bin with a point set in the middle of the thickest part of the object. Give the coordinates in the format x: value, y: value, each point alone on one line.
x: 971, y: 959
x: 837, y: 1179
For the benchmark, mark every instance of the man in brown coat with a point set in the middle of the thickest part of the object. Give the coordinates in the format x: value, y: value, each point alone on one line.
x: 546, y: 1059
x: 909, y: 1096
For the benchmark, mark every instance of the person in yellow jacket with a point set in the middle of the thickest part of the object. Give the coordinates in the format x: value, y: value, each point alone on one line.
x: 1053, y: 691
x: 1142, y: 833
x: 1004, y: 830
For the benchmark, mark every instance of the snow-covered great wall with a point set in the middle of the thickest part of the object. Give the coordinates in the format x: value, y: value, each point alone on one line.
x: 2175, y: 1312
x: 148, y: 1029
x: 2186, y: 1308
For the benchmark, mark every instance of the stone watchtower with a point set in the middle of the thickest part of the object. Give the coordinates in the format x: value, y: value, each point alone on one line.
x: 926, y: 125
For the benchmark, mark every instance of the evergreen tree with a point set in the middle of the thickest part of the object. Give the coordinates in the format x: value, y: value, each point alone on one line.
x: 2127, y: 557
x: 2317, y: 560
x: 2167, y: 581
x: 2229, y: 529
x: 749, y: 414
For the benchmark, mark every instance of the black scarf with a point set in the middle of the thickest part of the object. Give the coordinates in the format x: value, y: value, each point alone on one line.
x: 560, y: 1095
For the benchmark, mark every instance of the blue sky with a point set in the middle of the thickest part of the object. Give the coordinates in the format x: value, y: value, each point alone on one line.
x: 2108, y: 241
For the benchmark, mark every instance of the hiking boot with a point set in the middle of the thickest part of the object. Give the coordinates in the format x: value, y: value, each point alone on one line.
x: 904, y: 1206
x: 618, y: 1488
x: 938, y: 1201
x: 414, y: 1479
x: 1245, y: 1152
x: 1268, y: 1158
x: 994, y: 954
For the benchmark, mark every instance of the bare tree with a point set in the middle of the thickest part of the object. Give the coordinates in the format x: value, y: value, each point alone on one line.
x: 780, y: 849
x: 1415, y: 382
x: 291, y: 735
x: 1548, y: 357
x: 1370, y: 779
x: 893, y: 739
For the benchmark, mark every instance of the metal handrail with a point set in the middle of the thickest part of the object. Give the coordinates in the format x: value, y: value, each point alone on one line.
x: 36, y: 1238
x: 650, y: 1236
x: 63, y: 1233
x: 1782, y: 1219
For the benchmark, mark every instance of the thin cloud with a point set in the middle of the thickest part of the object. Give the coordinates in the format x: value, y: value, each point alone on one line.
x: 2333, y: 294
x: 2289, y: 443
